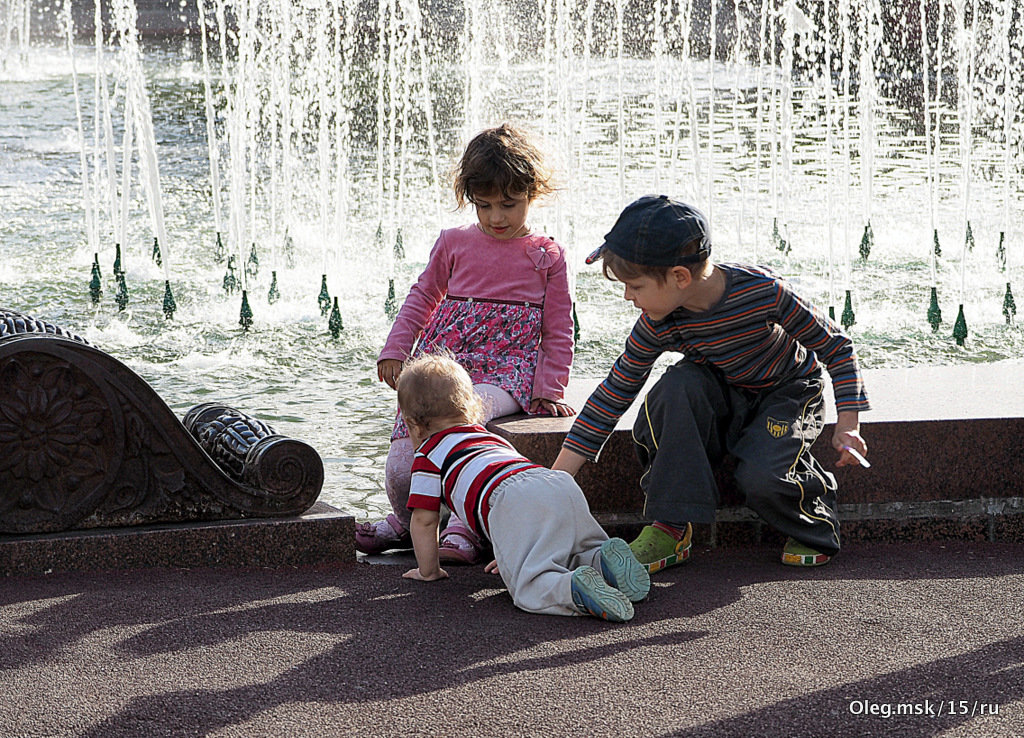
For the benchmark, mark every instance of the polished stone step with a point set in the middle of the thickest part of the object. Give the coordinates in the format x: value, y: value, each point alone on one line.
x: 944, y: 445
x: 321, y: 535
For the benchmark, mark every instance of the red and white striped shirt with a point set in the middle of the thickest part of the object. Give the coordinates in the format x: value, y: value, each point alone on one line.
x: 462, y: 465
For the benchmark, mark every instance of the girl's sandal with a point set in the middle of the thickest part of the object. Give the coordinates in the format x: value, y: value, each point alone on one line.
x: 456, y: 548
x: 373, y: 538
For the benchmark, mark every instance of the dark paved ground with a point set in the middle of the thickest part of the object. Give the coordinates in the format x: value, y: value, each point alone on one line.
x: 733, y: 644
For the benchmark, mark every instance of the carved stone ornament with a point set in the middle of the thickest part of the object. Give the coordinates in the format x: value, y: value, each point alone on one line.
x: 86, y: 443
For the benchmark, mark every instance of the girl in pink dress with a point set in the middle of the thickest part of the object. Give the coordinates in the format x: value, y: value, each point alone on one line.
x: 496, y: 296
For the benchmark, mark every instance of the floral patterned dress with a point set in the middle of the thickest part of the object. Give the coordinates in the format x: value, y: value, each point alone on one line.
x: 496, y: 341
x: 502, y: 307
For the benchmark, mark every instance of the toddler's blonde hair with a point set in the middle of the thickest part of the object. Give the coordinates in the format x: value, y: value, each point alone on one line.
x: 436, y: 386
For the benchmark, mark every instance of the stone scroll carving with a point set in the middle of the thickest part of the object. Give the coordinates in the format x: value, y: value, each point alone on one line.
x: 252, y: 453
x: 85, y: 443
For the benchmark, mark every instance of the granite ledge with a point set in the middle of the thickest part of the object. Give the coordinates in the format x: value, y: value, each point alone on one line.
x: 320, y: 535
x: 942, y: 441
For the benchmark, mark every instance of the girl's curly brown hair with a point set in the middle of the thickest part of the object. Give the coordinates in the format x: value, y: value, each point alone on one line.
x: 502, y: 160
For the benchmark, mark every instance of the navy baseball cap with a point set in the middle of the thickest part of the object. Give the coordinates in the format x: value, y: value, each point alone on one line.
x: 652, y: 230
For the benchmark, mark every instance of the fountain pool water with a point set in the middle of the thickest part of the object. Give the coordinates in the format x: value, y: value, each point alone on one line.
x: 332, y: 133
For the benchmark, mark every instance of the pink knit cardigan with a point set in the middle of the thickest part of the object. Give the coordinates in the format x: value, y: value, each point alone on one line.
x: 466, y: 262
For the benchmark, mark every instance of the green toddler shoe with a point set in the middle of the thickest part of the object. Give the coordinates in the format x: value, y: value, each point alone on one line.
x: 592, y: 595
x: 622, y: 571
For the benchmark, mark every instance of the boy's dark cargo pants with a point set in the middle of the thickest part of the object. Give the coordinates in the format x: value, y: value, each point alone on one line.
x: 691, y: 418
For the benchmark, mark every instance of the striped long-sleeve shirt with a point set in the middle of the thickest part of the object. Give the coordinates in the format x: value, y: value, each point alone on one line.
x: 760, y: 333
x: 462, y: 465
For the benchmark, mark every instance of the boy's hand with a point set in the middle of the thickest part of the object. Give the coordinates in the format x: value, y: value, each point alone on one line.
x: 492, y: 568
x: 568, y: 461
x: 419, y: 577
x: 558, y: 408
x: 388, y: 371
x: 847, y: 436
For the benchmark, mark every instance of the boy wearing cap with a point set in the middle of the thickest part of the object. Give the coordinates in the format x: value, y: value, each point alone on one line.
x: 750, y: 385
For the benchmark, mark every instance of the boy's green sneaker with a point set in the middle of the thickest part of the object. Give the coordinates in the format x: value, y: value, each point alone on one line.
x: 657, y: 550
x: 622, y: 571
x: 797, y: 554
x: 592, y: 595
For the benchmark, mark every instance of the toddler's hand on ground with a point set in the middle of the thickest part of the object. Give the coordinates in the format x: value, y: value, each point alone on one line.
x: 492, y: 568
x: 552, y: 407
x: 418, y: 575
x: 388, y: 371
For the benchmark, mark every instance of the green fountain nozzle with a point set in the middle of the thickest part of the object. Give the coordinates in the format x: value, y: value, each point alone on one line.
x: 399, y: 246
x: 231, y: 283
x: 156, y: 252
x: 780, y: 242
x: 324, y: 297
x: 95, y: 285
x: 252, y: 266
x: 275, y: 294
x: 867, y: 241
x: 289, y: 249
x: 934, y: 313
x: 575, y: 325
x: 121, y: 296
x: 848, y: 318
x: 935, y: 243
x: 390, y: 303
x: 218, y: 250
x: 245, y: 315
x: 117, y: 259
x: 1001, y: 251
x: 960, y: 327
x: 169, y: 304
x: 969, y: 238
x: 334, y: 324
x: 378, y: 237
x: 1009, y: 306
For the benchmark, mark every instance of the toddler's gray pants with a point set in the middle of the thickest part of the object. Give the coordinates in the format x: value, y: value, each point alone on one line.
x: 541, y: 529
